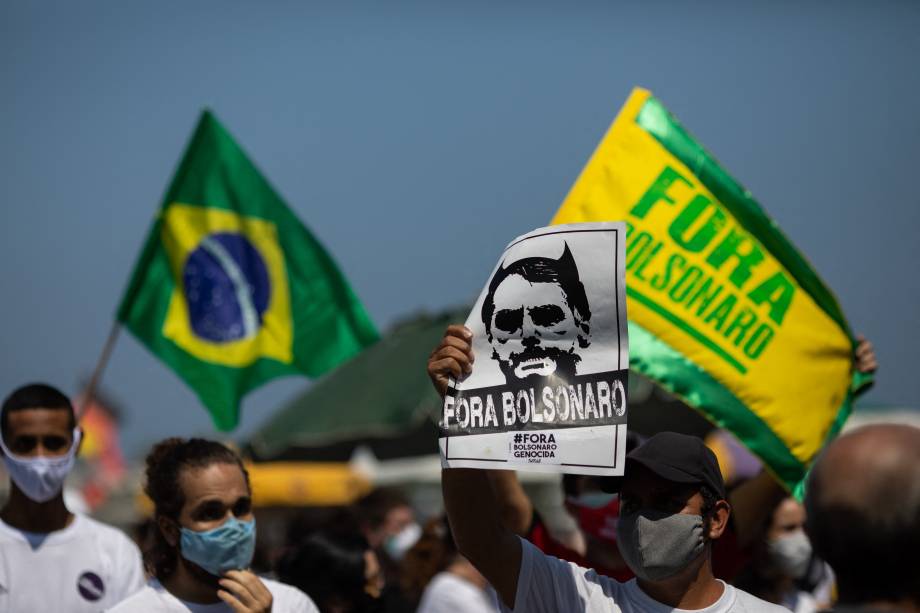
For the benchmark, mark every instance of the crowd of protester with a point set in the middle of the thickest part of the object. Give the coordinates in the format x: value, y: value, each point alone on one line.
x: 668, y: 535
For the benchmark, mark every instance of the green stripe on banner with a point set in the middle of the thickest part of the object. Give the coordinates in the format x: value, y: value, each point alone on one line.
x: 655, y: 119
x: 687, y: 328
x: 672, y: 370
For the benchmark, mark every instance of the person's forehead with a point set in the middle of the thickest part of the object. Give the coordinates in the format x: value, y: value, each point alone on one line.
x: 517, y: 289
x: 38, y: 422
x: 220, y: 481
x: 400, y: 514
x: 790, y: 511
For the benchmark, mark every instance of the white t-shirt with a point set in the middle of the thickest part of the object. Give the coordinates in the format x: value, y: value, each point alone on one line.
x: 448, y: 593
x: 547, y: 584
x: 800, y: 602
x: 87, y: 566
x: 155, y: 599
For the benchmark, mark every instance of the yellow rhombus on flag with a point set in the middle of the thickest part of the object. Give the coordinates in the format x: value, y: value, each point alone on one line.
x: 723, y: 310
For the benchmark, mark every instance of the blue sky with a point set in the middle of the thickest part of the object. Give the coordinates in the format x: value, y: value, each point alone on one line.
x: 416, y: 138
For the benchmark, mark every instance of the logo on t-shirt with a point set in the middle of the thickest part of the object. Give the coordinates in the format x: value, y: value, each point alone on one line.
x: 90, y: 586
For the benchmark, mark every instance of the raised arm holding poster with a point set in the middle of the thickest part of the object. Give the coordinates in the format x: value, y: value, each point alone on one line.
x: 549, y: 334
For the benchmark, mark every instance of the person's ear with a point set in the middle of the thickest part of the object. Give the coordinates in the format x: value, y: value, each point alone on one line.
x: 82, y: 438
x: 169, y: 529
x: 718, y: 519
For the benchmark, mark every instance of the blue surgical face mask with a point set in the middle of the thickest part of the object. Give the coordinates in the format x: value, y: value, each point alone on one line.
x: 228, y: 547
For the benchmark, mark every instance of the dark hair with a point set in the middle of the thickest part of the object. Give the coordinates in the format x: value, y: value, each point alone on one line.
x: 562, y: 271
x: 371, y: 510
x: 709, y: 500
x: 434, y: 551
x: 330, y: 568
x: 35, y: 396
x: 165, y: 464
x: 761, y: 576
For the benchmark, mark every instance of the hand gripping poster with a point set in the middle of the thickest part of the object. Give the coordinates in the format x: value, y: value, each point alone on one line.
x: 548, y: 386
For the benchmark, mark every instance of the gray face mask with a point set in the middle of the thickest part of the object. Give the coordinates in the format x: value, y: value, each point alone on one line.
x: 791, y: 553
x: 657, y: 545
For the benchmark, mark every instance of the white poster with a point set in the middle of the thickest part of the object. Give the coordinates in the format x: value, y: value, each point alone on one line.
x: 548, y: 387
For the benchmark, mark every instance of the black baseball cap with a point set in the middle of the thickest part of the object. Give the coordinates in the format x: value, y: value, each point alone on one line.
x: 676, y: 457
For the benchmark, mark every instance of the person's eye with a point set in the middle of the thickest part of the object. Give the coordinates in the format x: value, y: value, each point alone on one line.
x: 508, y: 320
x: 243, y: 507
x: 209, y: 512
x: 24, y: 444
x: 546, y: 315
x: 55, y: 443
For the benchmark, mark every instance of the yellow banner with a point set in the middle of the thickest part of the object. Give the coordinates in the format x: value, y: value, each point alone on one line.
x: 707, y: 287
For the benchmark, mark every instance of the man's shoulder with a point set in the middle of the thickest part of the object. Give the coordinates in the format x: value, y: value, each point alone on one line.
x: 82, y: 527
x: 745, y: 602
x: 446, y: 587
x: 88, y: 524
x: 105, y: 534
x: 571, y: 586
x: 559, y: 566
x: 9, y: 533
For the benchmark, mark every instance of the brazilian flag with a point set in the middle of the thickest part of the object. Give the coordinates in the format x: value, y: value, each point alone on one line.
x: 231, y: 290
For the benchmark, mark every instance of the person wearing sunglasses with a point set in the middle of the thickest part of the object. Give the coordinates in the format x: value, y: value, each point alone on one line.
x: 50, y: 558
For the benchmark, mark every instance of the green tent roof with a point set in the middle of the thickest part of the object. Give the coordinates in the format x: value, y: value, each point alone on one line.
x: 384, y: 391
x: 383, y: 398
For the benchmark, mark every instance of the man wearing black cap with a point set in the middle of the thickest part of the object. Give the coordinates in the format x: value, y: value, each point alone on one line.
x: 672, y: 506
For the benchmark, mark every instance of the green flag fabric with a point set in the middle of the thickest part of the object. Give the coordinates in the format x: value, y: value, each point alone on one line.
x: 231, y: 290
x: 724, y: 311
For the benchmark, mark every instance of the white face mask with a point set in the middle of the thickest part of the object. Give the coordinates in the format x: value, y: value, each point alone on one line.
x: 40, y: 478
x: 791, y: 553
x: 401, y: 542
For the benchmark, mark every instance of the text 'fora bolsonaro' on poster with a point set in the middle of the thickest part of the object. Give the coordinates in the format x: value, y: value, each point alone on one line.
x: 548, y: 387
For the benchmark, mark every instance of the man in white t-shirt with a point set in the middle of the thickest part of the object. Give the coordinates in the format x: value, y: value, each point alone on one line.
x: 50, y: 558
x: 155, y: 598
x: 672, y: 507
x: 450, y: 592
x: 205, y: 539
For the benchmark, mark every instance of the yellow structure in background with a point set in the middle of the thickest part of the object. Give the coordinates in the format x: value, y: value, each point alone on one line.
x: 295, y: 484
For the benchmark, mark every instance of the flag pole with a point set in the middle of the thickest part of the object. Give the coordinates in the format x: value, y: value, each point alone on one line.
x: 100, y: 367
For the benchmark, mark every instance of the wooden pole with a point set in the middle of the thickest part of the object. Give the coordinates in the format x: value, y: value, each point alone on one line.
x: 100, y: 367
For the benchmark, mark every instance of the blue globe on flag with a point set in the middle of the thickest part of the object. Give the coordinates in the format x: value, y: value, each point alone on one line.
x: 227, y: 288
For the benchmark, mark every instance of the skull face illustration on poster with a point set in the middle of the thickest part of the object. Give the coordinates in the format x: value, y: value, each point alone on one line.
x: 536, y: 316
